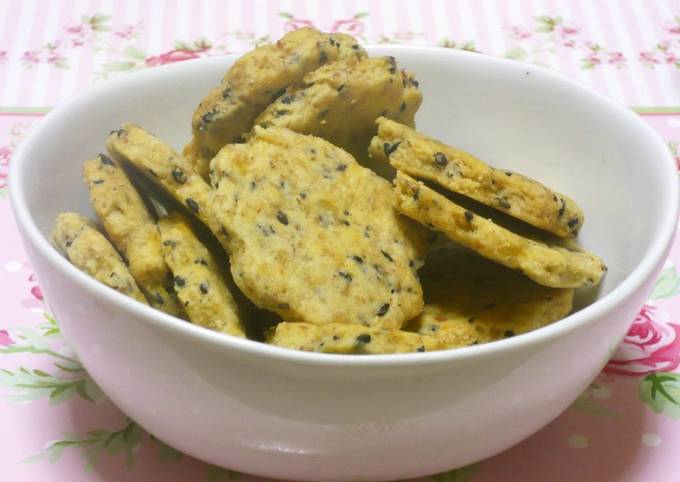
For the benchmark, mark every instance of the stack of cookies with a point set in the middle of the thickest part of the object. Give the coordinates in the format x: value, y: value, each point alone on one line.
x: 280, y: 201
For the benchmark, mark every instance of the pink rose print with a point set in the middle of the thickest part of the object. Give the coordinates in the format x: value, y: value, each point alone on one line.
x: 35, y: 290
x: 3, y: 55
x: 352, y: 26
x: 127, y: 31
x: 5, y: 340
x: 651, y: 345
x: 616, y: 58
x: 5, y: 156
x: 518, y: 33
x: 293, y: 23
x: 177, y: 55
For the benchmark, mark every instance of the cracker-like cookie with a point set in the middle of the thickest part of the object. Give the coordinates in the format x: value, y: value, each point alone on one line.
x: 131, y: 229
x: 514, y: 194
x: 162, y: 165
x: 350, y: 339
x: 340, y: 103
x: 255, y: 80
x: 312, y: 235
x: 198, y: 282
x: 470, y: 300
x: 557, y: 263
x: 88, y: 250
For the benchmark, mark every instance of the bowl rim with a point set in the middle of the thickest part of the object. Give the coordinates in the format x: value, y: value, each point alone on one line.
x: 633, y: 281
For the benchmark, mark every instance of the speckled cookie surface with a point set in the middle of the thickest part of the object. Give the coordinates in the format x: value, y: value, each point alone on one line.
x: 131, y: 229
x: 312, y: 235
x: 470, y: 300
x: 197, y: 279
x: 514, y: 194
x: 162, y: 165
x: 340, y: 103
x: 350, y: 339
x: 555, y: 263
x: 256, y: 79
x: 88, y: 250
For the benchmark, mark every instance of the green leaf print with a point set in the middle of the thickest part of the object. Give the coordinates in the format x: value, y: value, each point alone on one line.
x: 463, y: 474
x: 32, y: 384
x: 517, y: 53
x: 661, y: 391
x: 667, y: 285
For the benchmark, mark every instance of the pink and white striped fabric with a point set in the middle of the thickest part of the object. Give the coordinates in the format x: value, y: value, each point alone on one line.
x: 629, y: 50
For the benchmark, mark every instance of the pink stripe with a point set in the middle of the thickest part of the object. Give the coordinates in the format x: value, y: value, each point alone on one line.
x: 403, y: 21
x: 168, y: 33
x: 325, y: 17
x: 195, y: 21
x: 429, y: 24
x: 597, y: 80
x: 455, y: 27
x: 38, y: 38
x: 658, y: 19
x: 649, y: 75
x: 56, y: 76
x: 623, y: 74
x: 144, y: 14
x: 568, y: 65
x: 375, y: 21
x: 247, y: 24
x: 274, y: 25
x: 482, y: 36
x: 7, y: 34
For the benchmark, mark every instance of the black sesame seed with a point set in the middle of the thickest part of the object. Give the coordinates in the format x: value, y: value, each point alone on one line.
x: 572, y: 223
x: 358, y: 259
x: 386, y: 255
x: 434, y: 327
x: 179, y: 281
x: 226, y: 93
x: 204, y: 288
x: 355, y: 47
x: 402, y: 107
x: 282, y: 112
x: 193, y: 205
x: 382, y: 311
x: 323, y: 114
x: 69, y: 243
x: 471, y: 319
x: 346, y: 276
x: 469, y: 216
x: 159, y: 299
x: 283, y: 306
x: 341, y: 167
x: 508, y: 173
x: 336, y: 337
x: 440, y: 159
x: 303, y: 195
x: 287, y: 99
x: 415, y: 83
x: 340, y: 87
x: 411, y: 263
x: 106, y: 160
x: 420, y: 349
x: 98, y: 181
x: 390, y: 148
x: 283, y: 219
x: 152, y: 172
x: 201, y: 261
x: 562, y: 208
x: 169, y: 242
x: 323, y: 57
x: 364, y: 338
x: 179, y: 176
x: 508, y: 333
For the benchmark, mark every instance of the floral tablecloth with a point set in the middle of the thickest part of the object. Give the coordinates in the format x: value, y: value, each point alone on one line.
x: 55, y: 423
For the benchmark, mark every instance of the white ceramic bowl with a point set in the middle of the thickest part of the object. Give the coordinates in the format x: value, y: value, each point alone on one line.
x: 307, y: 416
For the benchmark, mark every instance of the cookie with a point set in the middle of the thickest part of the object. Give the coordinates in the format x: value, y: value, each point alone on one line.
x: 470, y: 300
x: 514, y: 194
x: 350, y: 339
x: 89, y: 251
x: 255, y: 80
x: 197, y: 279
x: 162, y: 165
x: 131, y: 229
x: 552, y: 262
x: 312, y: 235
x: 340, y: 103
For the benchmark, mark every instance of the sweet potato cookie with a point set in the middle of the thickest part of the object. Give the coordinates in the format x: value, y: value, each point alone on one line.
x: 312, y: 235
x: 88, y: 250
x: 346, y: 339
x: 162, y: 165
x: 555, y: 263
x: 340, y: 103
x: 470, y: 300
x: 517, y: 195
x: 131, y: 229
x: 255, y: 80
x: 198, y: 282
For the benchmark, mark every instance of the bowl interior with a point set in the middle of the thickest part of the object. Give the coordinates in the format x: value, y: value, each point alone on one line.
x: 512, y: 115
